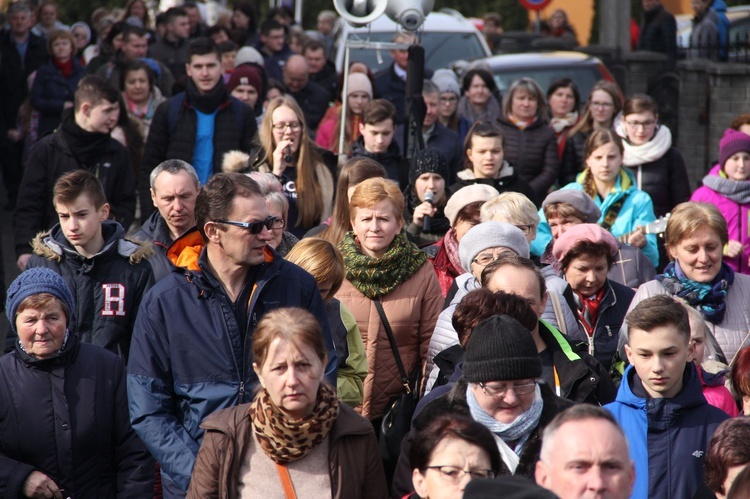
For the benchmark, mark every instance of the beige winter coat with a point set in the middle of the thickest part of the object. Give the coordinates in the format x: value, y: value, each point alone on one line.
x: 412, y: 309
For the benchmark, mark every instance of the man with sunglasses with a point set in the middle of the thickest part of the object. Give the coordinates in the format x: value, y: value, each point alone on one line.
x: 191, y: 351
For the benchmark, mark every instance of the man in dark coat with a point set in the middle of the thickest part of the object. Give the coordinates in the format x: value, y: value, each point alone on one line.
x: 658, y: 29
x: 322, y: 70
x: 174, y: 188
x: 311, y: 97
x: 21, y: 53
x: 82, y: 141
x: 199, y: 125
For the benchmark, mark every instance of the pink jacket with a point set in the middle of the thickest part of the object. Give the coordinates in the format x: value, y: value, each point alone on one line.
x: 716, y: 393
x: 737, y: 219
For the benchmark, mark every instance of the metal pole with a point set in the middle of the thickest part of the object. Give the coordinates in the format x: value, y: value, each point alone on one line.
x: 344, y: 101
x: 298, y: 12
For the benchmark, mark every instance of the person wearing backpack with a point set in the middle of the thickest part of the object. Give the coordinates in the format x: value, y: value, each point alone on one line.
x: 199, y: 125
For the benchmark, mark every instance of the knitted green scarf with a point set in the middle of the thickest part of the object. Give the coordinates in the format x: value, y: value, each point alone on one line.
x: 375, y: 277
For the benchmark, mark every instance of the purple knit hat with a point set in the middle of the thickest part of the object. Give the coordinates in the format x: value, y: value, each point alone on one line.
x: 731, y: 143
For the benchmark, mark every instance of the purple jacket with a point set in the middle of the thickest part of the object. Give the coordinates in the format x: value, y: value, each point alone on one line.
x: 736, y: 216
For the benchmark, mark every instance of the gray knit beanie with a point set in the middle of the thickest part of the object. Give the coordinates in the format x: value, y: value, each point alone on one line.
x: 33, y: 282
x: 491, y: 235
x: 500, y: 349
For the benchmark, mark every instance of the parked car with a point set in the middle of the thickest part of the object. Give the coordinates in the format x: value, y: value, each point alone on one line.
x: 446, y: 36
x: 545, y: 67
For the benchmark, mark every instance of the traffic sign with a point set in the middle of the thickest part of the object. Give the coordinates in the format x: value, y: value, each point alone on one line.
x: 536, y: 5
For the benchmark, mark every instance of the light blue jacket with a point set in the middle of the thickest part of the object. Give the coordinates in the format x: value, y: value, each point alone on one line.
x: 637, y: 210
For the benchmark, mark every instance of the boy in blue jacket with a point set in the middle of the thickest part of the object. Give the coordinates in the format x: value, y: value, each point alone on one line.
x: 660, y: 404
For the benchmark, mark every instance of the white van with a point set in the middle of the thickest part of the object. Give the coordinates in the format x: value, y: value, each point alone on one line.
x: 446, y: 36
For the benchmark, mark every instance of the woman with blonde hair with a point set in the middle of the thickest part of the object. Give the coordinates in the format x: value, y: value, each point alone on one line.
x: 295, y: 435
x: 325, y: 263
x: 387, y: 274
x: 305, y: 171
x: 530, y: 144
x: 695, y: 239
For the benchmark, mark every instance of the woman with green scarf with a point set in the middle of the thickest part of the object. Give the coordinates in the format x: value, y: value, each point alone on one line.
x: 382, y: 265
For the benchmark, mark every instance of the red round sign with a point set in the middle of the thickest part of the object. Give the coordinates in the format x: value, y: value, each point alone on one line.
x: 535, y: 4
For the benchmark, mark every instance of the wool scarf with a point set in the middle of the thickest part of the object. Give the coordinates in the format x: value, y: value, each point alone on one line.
x: 286, y: 440
x: 490, y: 112
x: 734, y: 190
x: 65, y: 68
x: 560, y: 124
x: 451, y: 249
x: 587, y: 308
x: 86, y: 147
x: 708, y: 298
x: 208, y: 102
x: 141, y: 112
x: 645, y: 153
x: 376, y: 277
x: 519, y: 430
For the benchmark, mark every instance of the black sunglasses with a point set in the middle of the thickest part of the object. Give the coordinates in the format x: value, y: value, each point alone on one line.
x: 255, y: 227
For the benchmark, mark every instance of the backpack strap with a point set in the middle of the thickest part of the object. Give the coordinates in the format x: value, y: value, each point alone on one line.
x: 175, y: 103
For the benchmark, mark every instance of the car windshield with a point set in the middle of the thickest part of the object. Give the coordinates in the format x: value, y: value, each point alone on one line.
x: 584, y: 77
x: 441, y: 49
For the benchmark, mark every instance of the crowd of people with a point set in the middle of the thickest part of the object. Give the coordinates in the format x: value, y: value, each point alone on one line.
x: 235, y: 286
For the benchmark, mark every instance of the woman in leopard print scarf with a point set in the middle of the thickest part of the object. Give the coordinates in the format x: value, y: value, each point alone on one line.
x: 295, y: 439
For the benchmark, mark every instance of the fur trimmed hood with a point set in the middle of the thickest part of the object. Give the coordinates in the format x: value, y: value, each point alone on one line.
x: 52, y: 245
x: 236, y: 161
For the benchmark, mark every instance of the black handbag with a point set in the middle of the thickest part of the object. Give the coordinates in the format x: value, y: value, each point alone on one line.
x: 397, y: 419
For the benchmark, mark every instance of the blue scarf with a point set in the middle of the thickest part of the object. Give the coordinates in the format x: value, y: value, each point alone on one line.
x: 708, y: 298
x: 519, y: 430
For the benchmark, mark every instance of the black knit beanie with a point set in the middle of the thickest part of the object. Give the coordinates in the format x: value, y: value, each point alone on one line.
x: 429, y: 161
x: 500, y: 349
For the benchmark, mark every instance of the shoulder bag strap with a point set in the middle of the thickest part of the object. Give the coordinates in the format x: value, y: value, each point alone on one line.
x: 286, y: 481
x: 392, y: 341
x: 612, y: 212
x: 559, y: 315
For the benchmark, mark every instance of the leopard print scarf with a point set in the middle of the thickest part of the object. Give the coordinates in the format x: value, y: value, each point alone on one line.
x: 285, y: 440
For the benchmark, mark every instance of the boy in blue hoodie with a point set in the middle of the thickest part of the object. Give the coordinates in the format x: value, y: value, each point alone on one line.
x: 660, y: 404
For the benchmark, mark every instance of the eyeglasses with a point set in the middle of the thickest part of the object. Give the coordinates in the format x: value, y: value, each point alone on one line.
x: 602, y: 104
x: 255, y: 227
x: 494, y: 391
x: 524, y: 228
x: 485, y: 259
x: 638, y: 124
x: 454, y: 475
x: 448, y: 100
x: 280, y: 127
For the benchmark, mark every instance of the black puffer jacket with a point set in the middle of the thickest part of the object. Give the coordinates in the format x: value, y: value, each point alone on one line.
x: 533, y: 153
x: 163, y: 143
x: 67, y: 417
x: 14, y: 74
x: 454, y: 402
x: 508, y: 181
x: 658, y: 32
x: 665, y: 180
x: 108, y: 286
x: 50, y: 159
x: 573, y: 161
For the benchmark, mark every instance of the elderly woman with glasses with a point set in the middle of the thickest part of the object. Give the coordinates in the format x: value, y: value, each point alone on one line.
x: 498, y: 386
x: 305, y: 171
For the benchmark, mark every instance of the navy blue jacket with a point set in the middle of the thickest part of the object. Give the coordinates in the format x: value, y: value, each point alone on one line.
x: 67, y: 416
x: 154, y: 230
x: 446, y: 141
x: 610, y: 317
x: 188, y: 358
x: 668, y: 437
x: 51, y: 90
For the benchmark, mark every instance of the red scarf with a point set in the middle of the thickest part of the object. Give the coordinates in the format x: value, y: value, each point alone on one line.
x: 588, y: 309
x: 66, y: 68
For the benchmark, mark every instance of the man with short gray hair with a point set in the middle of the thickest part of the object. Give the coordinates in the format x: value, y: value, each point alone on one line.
x: 585, y: 454
x: 174, y: 188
